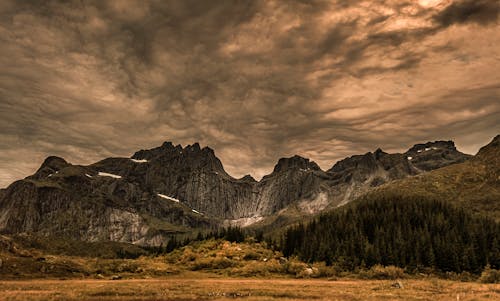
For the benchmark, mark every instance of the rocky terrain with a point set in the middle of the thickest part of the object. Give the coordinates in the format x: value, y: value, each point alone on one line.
x: 172, y: 190
x: 473, y: 184
x: 354, y: 176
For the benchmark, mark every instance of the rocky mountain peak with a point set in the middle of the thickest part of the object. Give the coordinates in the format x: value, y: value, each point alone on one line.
x: 167, y: 145
x: 379, y: 153
x: 432, y: 155
x: 295, y: 162
x: 167, y: 148
x: 190, y: 158
x: 366, y: 161
x: 193, y: 148
x: 53, y: 163
x: 422, y: 147
x: 202, y: 158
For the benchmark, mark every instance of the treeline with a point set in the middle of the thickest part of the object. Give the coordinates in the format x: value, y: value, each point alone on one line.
x: 410, y: 233
x: 232, y: 234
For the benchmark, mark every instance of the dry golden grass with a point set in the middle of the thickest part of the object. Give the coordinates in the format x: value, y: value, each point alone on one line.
x: 212, y: 270
x: 197, y: 286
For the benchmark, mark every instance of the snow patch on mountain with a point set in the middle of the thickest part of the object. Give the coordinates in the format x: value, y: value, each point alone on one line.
x: 139, y: 160
x: 105, y: 174
x: 168, y: 197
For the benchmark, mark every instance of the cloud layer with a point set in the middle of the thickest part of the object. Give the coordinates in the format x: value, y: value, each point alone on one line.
x: 254, y: 80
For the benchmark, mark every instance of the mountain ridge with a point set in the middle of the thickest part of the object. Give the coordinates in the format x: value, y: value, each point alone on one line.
x: 170, y: 190
x: 473, y: 184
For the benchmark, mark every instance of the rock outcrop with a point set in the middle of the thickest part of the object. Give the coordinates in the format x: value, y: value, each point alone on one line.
x: 356, y: 175
x: 434, y: 155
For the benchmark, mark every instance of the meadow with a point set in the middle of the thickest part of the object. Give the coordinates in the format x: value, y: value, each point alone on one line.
x: 200, y: 286
x: 221, y: 270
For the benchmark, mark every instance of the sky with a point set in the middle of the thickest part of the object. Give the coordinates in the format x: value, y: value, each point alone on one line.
x: 254, y: 80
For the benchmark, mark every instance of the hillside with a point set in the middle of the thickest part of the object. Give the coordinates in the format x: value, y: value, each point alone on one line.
x: 410, y: 232
x: 474, y: 184
x: 443, y: 219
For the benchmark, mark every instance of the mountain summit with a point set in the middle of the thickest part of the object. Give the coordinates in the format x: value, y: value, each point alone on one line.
x: 295, y: 162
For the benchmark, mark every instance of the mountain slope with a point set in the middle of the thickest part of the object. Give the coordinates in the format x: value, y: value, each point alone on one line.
x: 410, y: 232
x: 474, y: 184
x: 356, y: 175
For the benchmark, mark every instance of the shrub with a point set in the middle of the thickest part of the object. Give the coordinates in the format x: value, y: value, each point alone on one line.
x: 327, y: 271
x: 308, y: 272
x: 381, y: 272
x: 217, y: 263
x: 188, y: 256
x: 294, y: 267
x: 490, y: 275
x: 128, y: 267
x: 463, y: 276
x: 251, y: 256
x: 258, y: 268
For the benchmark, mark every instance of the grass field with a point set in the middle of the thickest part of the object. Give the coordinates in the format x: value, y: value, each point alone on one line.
x: 204, y: 288
x: 216, y: 270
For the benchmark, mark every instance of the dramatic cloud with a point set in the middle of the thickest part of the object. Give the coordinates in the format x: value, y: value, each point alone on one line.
x: 478, y: 11
x: 254, y: 80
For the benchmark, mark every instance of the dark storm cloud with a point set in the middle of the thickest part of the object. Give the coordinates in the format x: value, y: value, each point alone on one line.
x: 255, y: 80
x: 482, y: 12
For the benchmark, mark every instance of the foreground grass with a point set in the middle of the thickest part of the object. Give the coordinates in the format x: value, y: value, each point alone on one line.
x: 216, y: 270
x: 201, y: 287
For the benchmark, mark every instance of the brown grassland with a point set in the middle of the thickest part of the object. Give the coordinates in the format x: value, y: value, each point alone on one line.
x: 205, y: 287
x: 219, y: 270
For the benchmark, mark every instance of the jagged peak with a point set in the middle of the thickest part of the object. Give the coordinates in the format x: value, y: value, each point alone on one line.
x: 194, y: 147
x: 295, y: 162
x: 439, y: 144
x: 193, y: 153
x: 367, y: 160
x: 167, y: 144
x: 378, y: 153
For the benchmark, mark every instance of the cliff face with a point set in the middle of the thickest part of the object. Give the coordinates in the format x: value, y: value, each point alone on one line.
x: 191, y: 175
x: 197, y: 178
x: 84, y: 202
x: 293, y: 179
x: 170, y: 189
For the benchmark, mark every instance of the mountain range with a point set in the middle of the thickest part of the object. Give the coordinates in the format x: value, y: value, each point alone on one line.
x: 174, y: 190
